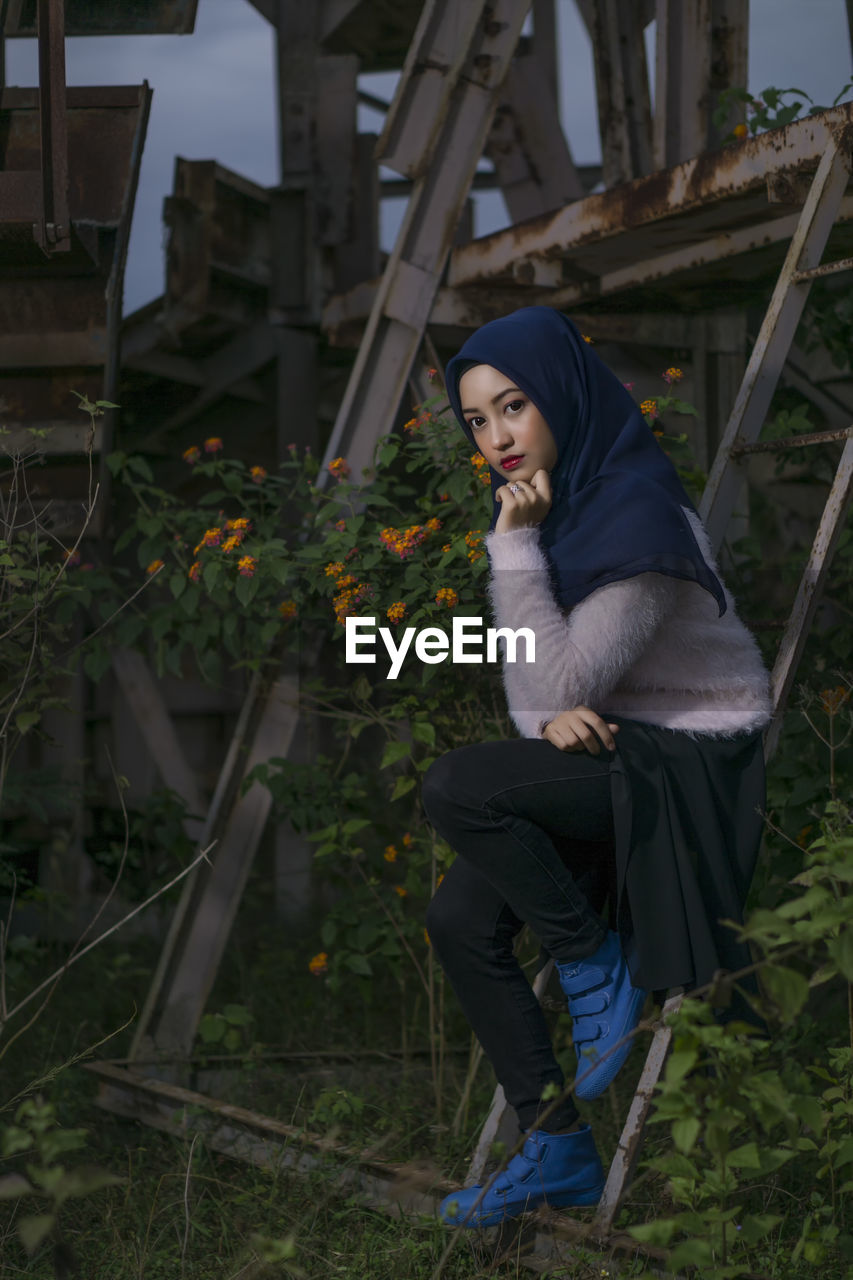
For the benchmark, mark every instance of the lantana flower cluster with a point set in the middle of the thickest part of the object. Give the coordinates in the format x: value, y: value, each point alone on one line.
x: 481, y: 466
x: 403, y: 541
x: 227, y: 537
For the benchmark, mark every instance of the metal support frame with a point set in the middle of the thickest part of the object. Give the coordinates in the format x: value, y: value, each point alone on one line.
x: 53, y: 229
x: 622, y: 89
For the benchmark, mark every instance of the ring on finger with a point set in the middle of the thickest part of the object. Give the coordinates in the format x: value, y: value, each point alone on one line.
x: 513, y: 488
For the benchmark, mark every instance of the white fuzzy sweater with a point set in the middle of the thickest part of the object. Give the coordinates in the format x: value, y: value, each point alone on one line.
x: 650, y: 648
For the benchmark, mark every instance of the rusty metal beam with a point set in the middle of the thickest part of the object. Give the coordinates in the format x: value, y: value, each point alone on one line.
x: 707, y: 182
x: 19, y: 18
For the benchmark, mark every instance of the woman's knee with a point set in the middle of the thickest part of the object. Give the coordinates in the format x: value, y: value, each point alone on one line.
x: 450, y: 785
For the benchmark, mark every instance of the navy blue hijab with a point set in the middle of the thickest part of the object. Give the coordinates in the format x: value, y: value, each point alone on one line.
x: 617, y: 499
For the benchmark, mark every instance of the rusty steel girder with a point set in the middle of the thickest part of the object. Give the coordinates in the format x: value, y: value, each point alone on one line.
x: 104, y: 18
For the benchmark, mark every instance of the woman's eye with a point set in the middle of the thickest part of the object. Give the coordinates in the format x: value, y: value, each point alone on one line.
x: 474, y: 423
x: 514, y: 406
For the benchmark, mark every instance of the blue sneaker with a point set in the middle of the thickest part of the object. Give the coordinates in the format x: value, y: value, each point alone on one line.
x: 556, y: 1169
x: 605, y: 1007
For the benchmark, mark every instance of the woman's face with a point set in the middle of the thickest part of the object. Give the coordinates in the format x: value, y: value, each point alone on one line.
x: 509, y: 430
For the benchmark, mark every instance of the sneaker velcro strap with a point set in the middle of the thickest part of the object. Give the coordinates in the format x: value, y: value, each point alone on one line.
x: 583, y: 1006
x: 590, y: 976
x: 588, y: 1030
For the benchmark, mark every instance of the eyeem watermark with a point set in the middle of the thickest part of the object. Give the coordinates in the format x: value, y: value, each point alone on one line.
x: 432, y: 644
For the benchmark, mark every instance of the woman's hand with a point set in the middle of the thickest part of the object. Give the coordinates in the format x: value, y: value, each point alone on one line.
x: 528, y: 506
x: 573, y: 731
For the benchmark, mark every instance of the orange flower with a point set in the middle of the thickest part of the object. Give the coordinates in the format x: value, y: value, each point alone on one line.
x: 446, y: 595
x: 213, y: 444
x: 587, y: 338
x: 649, y: 408
x: 211, y: 538
x: 426, y: 938
x: 446, y: 548
x: 192, y: 454
x: 287, y: 608
x: 232, y: 543
x: 390, y: 854
x: 258, y: 474
x: 672, y: 375
x: 803, y: 835
x: 396, y: 612
x: 832, y: 700
x: 72, y: 558
x: 740, y: 130
x: 339, y: 468
x: 319, y: 964
x: 433, y: 524
x: 154, y: 566
x: 400, y: 891
x: 334, y: 569
x: 475, y: 555
x: 340, y: 525
x: 247, y: 566
x: 194, y: 572
x: 478, y: 461
x: 407, y: 840
x: 432, y: 374
x: 242, y: 523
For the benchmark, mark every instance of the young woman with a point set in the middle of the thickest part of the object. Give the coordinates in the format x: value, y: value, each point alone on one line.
x: 639, y: 775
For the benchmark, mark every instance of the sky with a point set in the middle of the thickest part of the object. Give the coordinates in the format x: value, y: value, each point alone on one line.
x: 214, y: 98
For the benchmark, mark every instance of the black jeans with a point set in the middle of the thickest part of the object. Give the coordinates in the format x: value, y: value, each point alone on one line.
x: 533, y: 829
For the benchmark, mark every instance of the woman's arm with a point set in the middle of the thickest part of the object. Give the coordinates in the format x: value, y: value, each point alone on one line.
x: 581, y: 656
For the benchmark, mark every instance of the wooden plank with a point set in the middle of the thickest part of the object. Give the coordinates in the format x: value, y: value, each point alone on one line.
x: 526, y: 144
x: 434, y: 62
x: 811, y: 584
x: 143, y: 697
x: 622, y: 90
x: 203, y: 921
x: 404, y: 298
x: 776, y: 334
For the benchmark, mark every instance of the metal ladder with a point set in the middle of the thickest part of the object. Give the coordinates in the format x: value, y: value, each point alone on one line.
x: 800, y: 268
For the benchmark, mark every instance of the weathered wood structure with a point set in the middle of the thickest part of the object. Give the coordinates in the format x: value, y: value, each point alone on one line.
x: 268, y: 288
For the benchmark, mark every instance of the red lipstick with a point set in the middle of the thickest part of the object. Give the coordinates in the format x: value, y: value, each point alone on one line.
x: 512, y: 461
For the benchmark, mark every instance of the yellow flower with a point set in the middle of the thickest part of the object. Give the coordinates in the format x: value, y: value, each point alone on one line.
x: 287, y: 608
x: 400, y: 891
x: 587, y: 338
x: 319, y: 964
x: 154, y: 566
x: 213, y: 444
x: 396, y: 612
x: 258, y: 474
x: 832, y: 700
x: 740, y: 130
x: 446, y: 595
x: 407, y: 840
x: 211, y: 538
x: 232, y: 543
x: 672, y: 375
x: 334, y: 569
x: 477, y: 460
x: 390, y: 854
x: 649, y: 408
x: 339, y: 468
x: 446, y: 547
x: 247, y: 566
x: 192, y: 454
x: 194, y: 572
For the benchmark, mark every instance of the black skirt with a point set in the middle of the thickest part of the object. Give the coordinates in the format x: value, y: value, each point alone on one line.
x: 687, y: 816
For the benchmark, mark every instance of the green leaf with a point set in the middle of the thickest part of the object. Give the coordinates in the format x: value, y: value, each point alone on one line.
x: 13, y: 1185
x: 238, y: 1015
x: 328, y: 933
x: 25, y: 720
x: 83, y: 1182
x: 423, y: 731
x: 841, y: 950
x: 402, y: 788
x: 137, y: 464
x: 788, y: 989
x: 233, y: 482
x: 210, y: 573
x: 359, y: 964
x: 34, y: 1229
x: 178, y: 583
x: 685, y: 1132
x: 679, y: 1064
x: 246, y: 589
x: 393, y: 752
x: 754, y: 1226
x: 659, y: 1232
